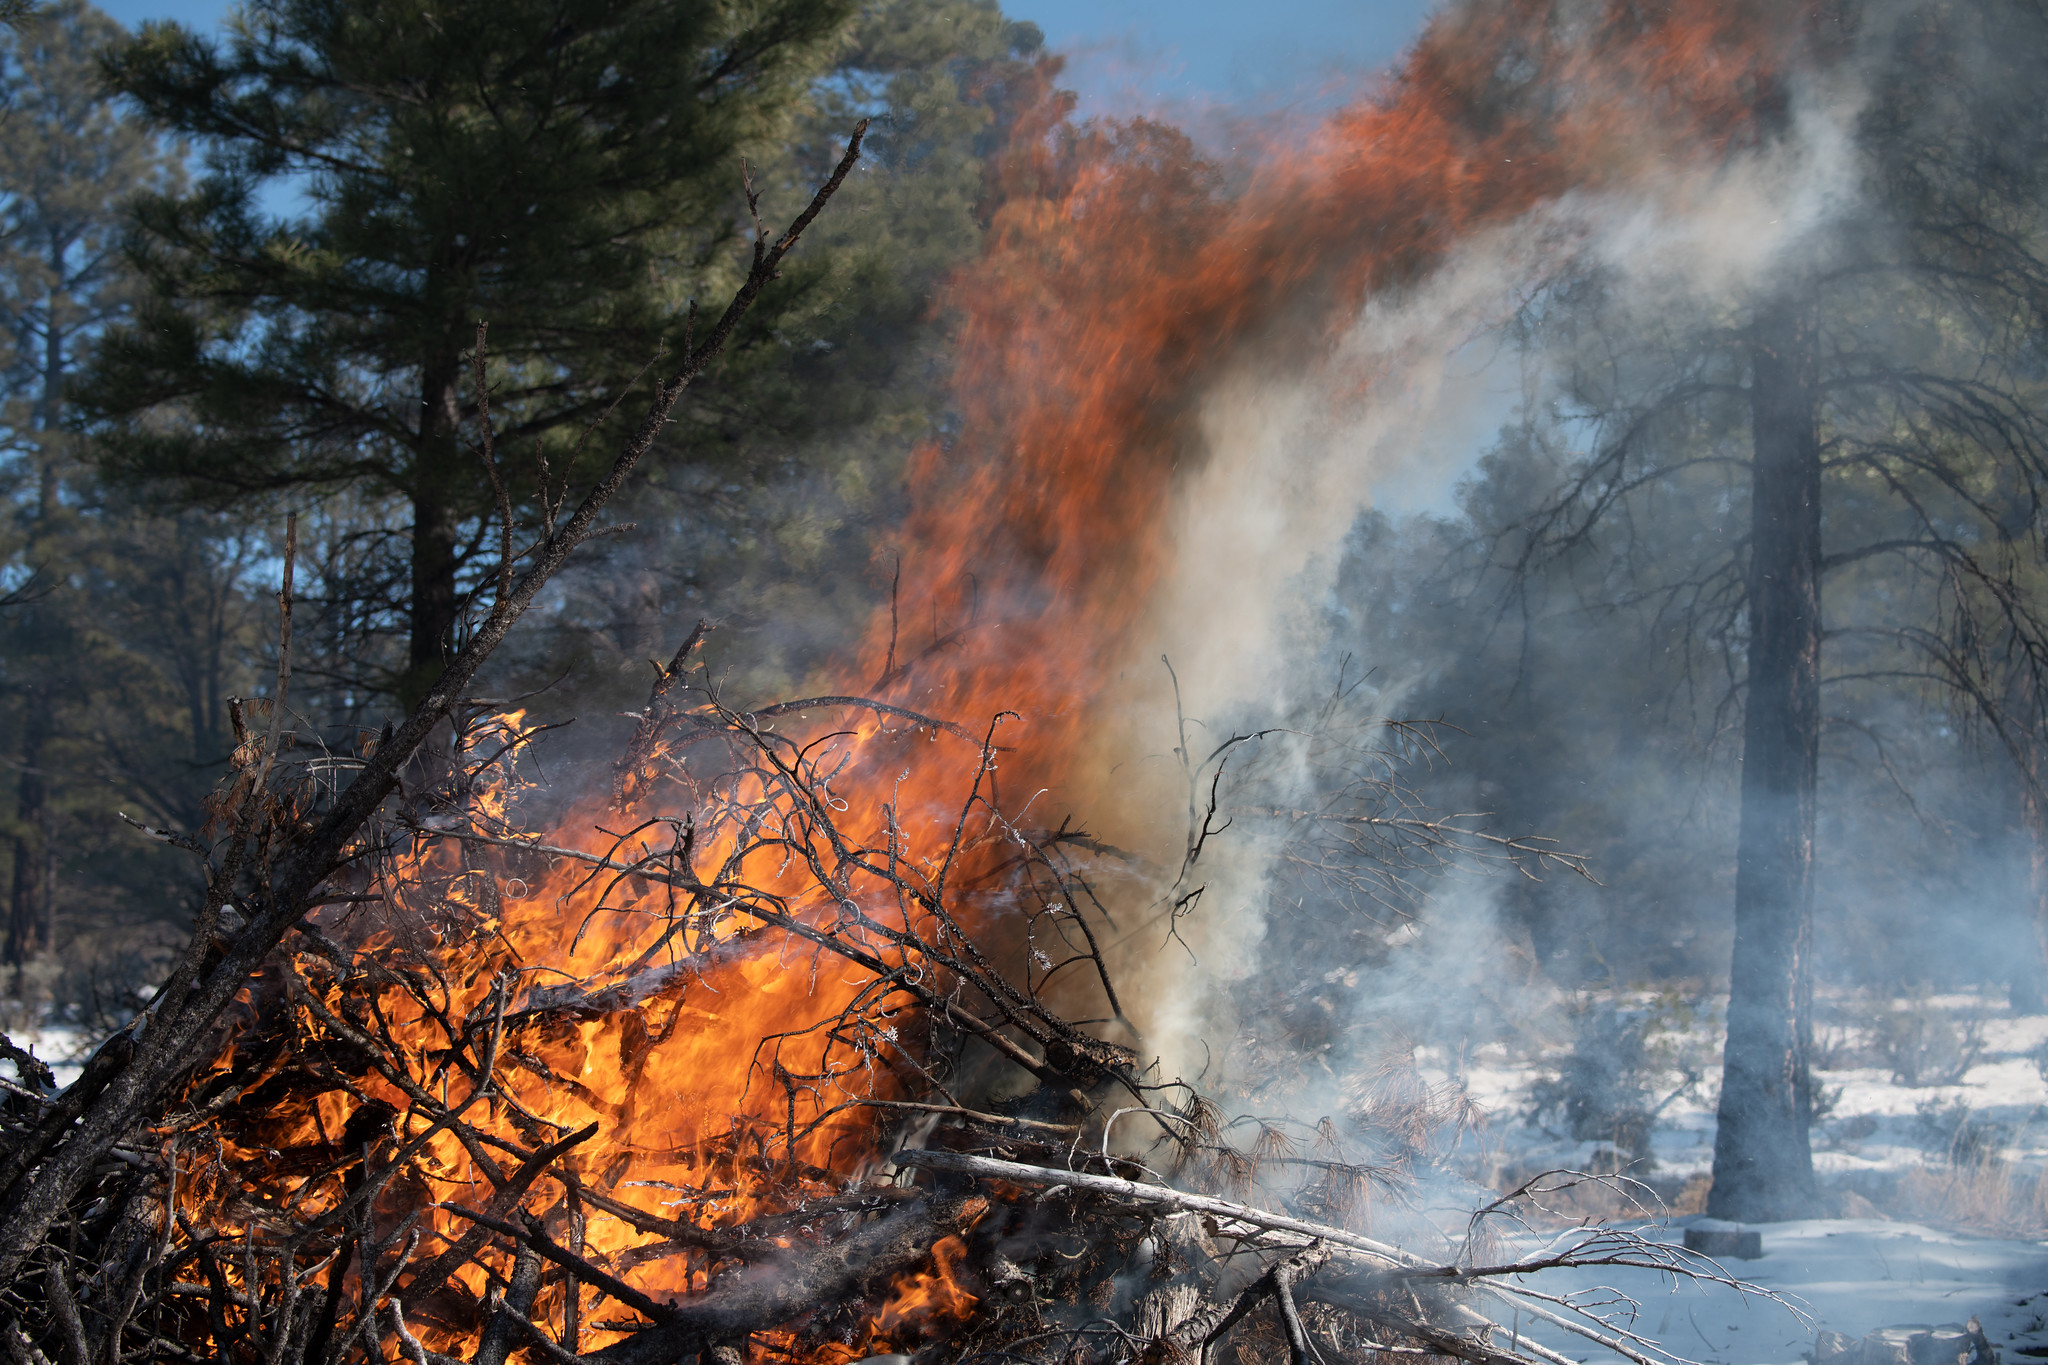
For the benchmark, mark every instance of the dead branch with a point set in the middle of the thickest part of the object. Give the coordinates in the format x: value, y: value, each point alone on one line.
x: 777, y: 1291
x: 989, y: 1168
x: 46, y: 1163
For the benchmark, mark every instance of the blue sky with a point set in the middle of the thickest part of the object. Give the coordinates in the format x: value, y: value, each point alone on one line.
x: 1224, y: 50
x: 1148, y: 53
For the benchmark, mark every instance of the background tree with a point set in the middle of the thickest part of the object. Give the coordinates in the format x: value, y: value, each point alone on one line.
x: 1954, y: 427
x: 567, y: 175
x: 1886, y: 362
x: 764, y: 508
x: 128, y: 629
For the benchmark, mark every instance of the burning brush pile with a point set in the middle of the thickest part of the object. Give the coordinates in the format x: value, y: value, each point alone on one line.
x: 764, y: 1066
x: 806, y: 1040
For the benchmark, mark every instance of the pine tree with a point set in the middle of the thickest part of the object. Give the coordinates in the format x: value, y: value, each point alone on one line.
x: 68, y: 162
x: 1884, y: 381
x: 566, y: 174
x: 764, y: 510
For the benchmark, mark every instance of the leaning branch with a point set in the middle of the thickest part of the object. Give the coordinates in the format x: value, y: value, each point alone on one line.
x: 125, y: 1082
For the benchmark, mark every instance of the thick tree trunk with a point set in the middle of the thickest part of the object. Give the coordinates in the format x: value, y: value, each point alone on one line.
x: 434, y: 529
x: 1763, y: 1158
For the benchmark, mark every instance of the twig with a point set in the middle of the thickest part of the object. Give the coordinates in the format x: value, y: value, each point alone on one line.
x: 571, y: 1262
x: 975, y: 1115
x: 538, y: 1335
x: 1201, y: 1331
x: 1298, y: 1348
x: 414, y: 1347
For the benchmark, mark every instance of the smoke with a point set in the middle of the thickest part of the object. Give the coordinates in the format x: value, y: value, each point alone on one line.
x: 1219, y: 427
x: 1398, y: 410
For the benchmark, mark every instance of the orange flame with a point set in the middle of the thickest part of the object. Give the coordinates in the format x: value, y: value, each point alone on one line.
x: 1120, y: 271
x: 919, y: 1304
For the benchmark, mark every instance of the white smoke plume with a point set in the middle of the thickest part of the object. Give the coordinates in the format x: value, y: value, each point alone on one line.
x: 1398, y: 411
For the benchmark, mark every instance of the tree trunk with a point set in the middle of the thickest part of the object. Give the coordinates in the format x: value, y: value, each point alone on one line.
x: 26, y: 911
x: 2030, y: 970
x: 1763, y: 1156
x: 434, y: 529
x: 31, y: 912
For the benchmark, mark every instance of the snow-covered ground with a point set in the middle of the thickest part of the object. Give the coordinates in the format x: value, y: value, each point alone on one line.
x: 1939, y: 1231
x: 1848, y: 1275
x: 1876, y: 1128
x: 1875, y: 1133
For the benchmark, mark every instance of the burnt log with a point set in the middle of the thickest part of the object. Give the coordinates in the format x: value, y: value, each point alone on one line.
x: 774, y: 1293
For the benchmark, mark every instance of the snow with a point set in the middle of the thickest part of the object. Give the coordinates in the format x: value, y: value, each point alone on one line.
x: 59, y: 1046
x: 1939, y: 1259
x: 1846, y: 1275
x: 1876, y: 1131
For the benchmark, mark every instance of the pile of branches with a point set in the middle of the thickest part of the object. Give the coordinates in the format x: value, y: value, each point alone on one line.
x: 1037, y: 1226
x: 343, y: 1130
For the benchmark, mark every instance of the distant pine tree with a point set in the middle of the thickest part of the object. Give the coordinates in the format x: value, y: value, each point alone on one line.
x: 78, y: 708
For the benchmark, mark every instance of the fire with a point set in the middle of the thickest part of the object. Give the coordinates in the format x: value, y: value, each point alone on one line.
x: 934, y: 1295
x: 919, y: 1302
x: 1121, y: 271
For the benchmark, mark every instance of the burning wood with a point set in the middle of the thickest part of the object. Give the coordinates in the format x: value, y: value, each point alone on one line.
x: 773, y: 1052
x: 733, y: 1105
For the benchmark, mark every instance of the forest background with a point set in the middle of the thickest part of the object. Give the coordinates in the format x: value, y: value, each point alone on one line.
x: 1592, y: 691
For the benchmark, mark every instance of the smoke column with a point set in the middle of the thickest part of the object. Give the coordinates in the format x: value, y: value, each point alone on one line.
x: 1179, y: 385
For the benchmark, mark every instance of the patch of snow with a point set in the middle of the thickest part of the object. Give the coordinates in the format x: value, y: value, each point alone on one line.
x: 62, y: 1048
x: 1875, y: 1128
x: 1846, y: 1275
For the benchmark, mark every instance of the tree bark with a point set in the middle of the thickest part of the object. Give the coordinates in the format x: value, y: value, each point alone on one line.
x: 1763, y: 1156
x: 31, y: 913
